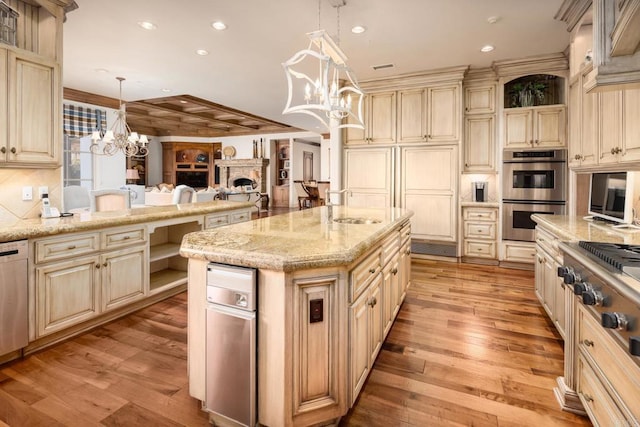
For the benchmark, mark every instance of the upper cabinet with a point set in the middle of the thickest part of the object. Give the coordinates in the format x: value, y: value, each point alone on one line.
x: 607, y: 34
x: 31, y: 87
x: 424, y: 108
x: 479, y: 142
x: 379, y: 116
x: 534, y: 112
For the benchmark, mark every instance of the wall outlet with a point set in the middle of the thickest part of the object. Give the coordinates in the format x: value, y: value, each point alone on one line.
x: 43, y: 190
x: 27, y: 193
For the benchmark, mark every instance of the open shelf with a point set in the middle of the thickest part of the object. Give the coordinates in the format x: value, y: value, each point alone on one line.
x: 166, y: 278
x: 165, y: 250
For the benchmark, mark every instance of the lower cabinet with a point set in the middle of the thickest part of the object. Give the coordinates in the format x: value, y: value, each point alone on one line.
x: 479, y: 231
x: 549, y: 288
x: 123, y: 276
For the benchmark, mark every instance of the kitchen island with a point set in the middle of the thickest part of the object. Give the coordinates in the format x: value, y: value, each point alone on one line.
x: 356, y: 268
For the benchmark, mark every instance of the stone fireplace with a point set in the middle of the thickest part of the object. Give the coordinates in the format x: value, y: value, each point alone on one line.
x: 235, y: 169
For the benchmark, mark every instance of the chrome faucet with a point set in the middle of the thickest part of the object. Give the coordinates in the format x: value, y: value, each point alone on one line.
x: 330, y: 205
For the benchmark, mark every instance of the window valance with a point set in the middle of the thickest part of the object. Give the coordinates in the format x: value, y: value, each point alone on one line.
x: 81, y: 121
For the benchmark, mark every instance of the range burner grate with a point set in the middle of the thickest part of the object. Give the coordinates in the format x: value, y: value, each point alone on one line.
x: 625, y: 258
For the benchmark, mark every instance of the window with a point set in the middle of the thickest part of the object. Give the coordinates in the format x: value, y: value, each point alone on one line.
x: 78, y: 162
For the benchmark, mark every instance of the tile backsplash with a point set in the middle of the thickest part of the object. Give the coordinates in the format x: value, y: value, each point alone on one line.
x: 12, y: 207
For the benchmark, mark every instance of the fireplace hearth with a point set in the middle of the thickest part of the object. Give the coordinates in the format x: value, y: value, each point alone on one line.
x: 247, y: 171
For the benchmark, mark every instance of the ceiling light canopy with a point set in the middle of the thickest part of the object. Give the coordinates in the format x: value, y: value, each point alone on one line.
x: 202, y: 52
x: 147, y: 25
x: 320, y: 83
x: 119, y: 137
x: 358, y: 29
x: 219, y: 25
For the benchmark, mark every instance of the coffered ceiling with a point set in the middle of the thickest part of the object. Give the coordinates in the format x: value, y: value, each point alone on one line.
x: 240, y: 86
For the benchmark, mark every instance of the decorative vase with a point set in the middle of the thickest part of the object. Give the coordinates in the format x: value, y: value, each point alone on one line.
x: 526, y: 98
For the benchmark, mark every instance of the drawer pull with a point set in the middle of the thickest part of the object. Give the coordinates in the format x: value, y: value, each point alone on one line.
x: 105, y: 264
x: 126, y: 237
x: 394, y: 271
x: 71, y: 247
x: 587, y: 343
x: 408, y: 251
x: 372, y: 302
x: 372, y: 270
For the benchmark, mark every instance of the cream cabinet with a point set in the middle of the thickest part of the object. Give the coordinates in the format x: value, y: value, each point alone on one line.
x: 518, y: 252
x: 379, y: 115
x: 582, y: 125
x: 280, y: 196
x: 609, y: 126
x: 430, y: 114
x: 479, y: 226
x: 608, y: 379
x: 535, y: 127
x: 550, y: 289
x: 32, y: 133
x: 479, y: 143
x: 369, y: 176
x: 428, y: 184
x: 73, y: 288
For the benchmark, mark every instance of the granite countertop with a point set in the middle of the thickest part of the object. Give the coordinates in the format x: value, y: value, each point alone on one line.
x: 575, y: 228
x: 38, y: 227
x: 294, y: 241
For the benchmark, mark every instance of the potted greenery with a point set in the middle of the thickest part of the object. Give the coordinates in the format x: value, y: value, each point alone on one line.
x: 526, y: 93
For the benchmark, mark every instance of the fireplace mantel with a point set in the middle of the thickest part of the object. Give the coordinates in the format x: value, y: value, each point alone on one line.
x: 255, y: 169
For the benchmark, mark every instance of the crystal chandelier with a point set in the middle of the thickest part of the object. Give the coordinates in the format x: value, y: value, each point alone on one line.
x: 331, y: 94
x: 119, y: 137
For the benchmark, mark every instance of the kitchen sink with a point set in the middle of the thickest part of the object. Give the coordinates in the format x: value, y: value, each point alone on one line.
x: 348, y: 220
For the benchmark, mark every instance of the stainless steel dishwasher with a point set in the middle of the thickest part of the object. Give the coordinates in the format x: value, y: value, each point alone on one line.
x: 231, y: 343
x: 14, y: 333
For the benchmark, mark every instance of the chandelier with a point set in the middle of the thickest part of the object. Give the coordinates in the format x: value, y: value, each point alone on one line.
x: 331, y: 94
x: 119, y: 137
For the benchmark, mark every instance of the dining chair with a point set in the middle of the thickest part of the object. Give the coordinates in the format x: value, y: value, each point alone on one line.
x: 75, y: 197
x: 323, y: 186
x: 183, y: 194
x: 109, y: 200
x: 304, y: 201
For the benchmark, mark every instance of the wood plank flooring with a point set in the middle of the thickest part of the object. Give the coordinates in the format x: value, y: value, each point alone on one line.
x: 471, y: 346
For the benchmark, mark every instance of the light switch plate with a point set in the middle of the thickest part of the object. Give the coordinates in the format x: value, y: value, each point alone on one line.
x: 27, y: 193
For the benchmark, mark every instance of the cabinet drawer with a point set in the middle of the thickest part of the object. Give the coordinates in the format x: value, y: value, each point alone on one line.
x: 111, y: 239
x: 65, y: 247
x: 597, y: 402
x: 240, y: 216
x: 212, y: 221
x: 405, y: 232
x: 619, y: 370
x: 390, y: 247
x: 363, y: 273
x: 516, y: 252
x: 480, y: 249
x: 479, y: 214
x: 547, y: 241
x: 480, y: 230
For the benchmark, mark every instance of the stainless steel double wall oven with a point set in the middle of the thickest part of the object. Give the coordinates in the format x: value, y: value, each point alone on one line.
x: 534, y: 181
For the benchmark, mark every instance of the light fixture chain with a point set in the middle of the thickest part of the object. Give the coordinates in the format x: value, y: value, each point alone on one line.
x: 338, y: 41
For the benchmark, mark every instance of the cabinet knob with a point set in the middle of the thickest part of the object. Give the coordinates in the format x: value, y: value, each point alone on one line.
x: 613, y: 151
x: 372, y: 302
x: 577, y: 157
x: 466, y: 165
x: 13, y: 150
x: 105, y: 264
x: 372, y: 270
x: 98, y: 266
x: 587, y: 397
x: 618, y: 150
x: 587, y: 343
x: 394, y: 271
x: 3, y: 150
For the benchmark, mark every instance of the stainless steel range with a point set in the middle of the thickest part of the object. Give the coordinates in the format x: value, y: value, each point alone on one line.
x: 606, y: 277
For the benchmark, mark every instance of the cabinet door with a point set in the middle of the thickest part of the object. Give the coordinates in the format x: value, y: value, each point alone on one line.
x: 429, y: 179
x: 479, y: 144
x: 356, y: 136
x: 539, y: 276
x: 549, y: 127
x: 382, y: 118
x: 374, y: 190
x: 66, y: 294
x: 575, y: 123
x: 559, y: 310
x: 405, y: 270
x: 631, y: 120
x: 4, y: 127
x: 34, y: 113
x: 124, y: 276
x: 610, y: 126
x: 388, y: 291
x: 376, y: 301
x: 550, y: 282
x: 412, y: 116
x: 517, y: 128
x: 479, y: 100
x: 444, y: 115
x: 583, y: 126
x: 359, y: 342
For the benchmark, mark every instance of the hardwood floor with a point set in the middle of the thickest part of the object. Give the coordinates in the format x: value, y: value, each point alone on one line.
x: 471, y: 346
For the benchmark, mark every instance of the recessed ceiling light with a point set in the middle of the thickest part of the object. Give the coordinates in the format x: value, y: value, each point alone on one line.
x: 101, y: 70
x: 219, y: 25
x: 487, y: 48
x: 358, y: 29
x: 202, y: 52
x: 147, y: 25
x: 166, y: 90
x: 493, y: 19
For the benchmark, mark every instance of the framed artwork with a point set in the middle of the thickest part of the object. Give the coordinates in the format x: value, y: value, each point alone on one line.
x: 248, y: 188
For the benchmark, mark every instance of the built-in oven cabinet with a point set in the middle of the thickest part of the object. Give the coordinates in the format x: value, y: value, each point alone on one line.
x: 535, y: 127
